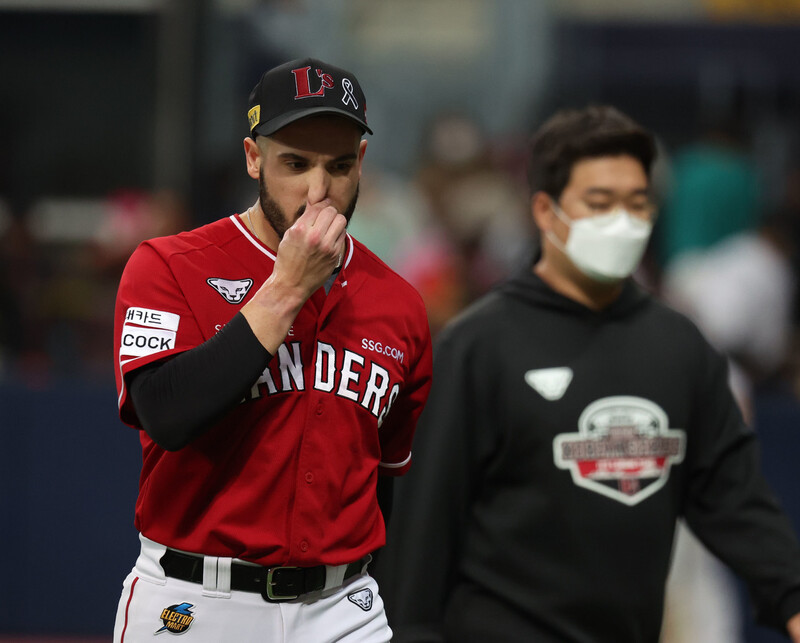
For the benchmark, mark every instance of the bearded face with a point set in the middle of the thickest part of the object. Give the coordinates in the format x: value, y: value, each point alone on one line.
x: 277, y: 217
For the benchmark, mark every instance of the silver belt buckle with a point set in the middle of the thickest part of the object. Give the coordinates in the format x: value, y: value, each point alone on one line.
x: 271, y: 583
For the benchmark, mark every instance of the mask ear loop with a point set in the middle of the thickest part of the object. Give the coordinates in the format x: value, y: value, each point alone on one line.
x: 560, y: 213
x: 564, y: 219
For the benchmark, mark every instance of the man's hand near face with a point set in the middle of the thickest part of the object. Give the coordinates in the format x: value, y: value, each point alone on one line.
x: 307, y: 255
x: 310, y: 248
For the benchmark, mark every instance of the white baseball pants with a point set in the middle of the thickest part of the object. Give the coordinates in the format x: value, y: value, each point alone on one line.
x: 154, y: 607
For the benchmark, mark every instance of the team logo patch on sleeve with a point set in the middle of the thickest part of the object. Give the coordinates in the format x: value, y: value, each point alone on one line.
x: 176, y: 618
x: 624, y: 448
x: 148, y: 331
x: 363, y: 599
x: 233, y: 290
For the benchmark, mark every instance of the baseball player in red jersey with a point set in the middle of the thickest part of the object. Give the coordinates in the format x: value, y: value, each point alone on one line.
x: 275, y: 368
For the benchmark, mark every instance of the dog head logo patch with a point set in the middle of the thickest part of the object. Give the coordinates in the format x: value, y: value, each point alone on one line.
x: 176, y: 618
x: 363, y: 599
x: 234, y: 290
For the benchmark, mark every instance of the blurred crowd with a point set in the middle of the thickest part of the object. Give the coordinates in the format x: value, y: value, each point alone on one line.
x: 458, y: 224
x: 454, y: 228
x: 60, y: 264
x: 727, y: 254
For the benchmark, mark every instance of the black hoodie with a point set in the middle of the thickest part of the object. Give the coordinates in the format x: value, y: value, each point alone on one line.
x: 557, y: 450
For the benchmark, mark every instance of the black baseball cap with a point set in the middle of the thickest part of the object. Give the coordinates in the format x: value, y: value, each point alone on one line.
x: 301, y: 88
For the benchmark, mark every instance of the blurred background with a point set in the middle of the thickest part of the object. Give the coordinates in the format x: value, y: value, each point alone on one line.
x: 122, y: 120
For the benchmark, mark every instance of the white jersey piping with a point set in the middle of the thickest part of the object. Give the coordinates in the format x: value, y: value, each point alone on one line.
x: 237, y: 222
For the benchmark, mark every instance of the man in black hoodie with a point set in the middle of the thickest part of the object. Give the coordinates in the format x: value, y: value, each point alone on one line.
x: 573, y: 419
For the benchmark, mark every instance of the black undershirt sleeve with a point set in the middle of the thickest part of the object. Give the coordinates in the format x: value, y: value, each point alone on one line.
x: 178, y: 400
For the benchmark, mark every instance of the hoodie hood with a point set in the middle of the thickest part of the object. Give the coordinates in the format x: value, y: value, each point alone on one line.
x: 529, y: 287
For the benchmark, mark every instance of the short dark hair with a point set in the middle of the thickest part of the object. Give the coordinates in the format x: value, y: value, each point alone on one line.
x: 571, y: 135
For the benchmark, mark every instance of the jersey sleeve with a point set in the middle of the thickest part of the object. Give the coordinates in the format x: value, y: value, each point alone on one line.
x: 152, y: 320
x: 397, y: 431
x: 730, y: 506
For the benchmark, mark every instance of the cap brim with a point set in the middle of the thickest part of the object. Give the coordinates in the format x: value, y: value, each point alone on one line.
x: 272, y: 126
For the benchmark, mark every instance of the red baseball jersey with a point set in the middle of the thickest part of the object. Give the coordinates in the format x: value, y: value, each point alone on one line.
x: 288, y: 476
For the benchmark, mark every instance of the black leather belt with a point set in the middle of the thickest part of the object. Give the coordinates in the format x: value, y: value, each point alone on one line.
x: 275, y: 584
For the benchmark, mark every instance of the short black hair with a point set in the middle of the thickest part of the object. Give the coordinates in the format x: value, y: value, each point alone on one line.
x: 571, y: 135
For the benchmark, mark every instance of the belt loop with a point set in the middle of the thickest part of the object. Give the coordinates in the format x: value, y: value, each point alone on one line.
x: 148, y: 564
x: 334, y: 576
x: 216, y: 577
x: 366, y: 561
x: 224, y: 577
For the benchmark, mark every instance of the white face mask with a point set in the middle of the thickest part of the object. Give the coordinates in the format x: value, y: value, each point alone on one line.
x: 605, y: 247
